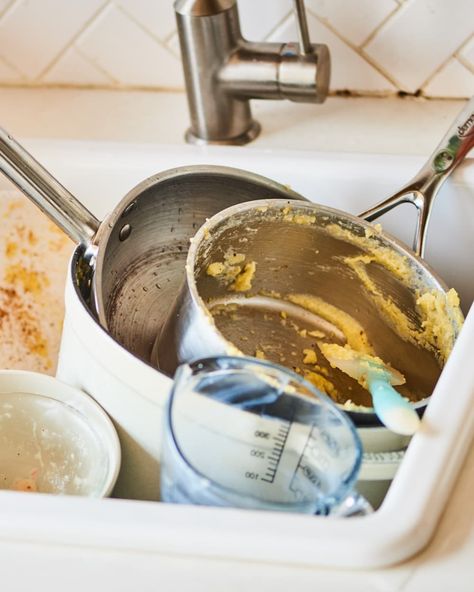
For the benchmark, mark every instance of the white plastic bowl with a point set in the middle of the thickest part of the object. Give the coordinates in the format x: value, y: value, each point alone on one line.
x: 54, y: 438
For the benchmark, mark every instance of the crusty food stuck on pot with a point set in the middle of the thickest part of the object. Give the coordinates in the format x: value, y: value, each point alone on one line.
x: 277, y: 280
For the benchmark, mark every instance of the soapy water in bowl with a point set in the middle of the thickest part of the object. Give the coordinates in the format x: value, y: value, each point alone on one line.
x: 47, y: 446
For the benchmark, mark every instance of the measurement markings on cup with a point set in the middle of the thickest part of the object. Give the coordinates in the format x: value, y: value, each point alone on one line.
x: 277, y: 450
x: 312, y: 460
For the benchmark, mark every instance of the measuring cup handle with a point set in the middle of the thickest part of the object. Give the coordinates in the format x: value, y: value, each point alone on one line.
x: 422, y: 189
x: 45, y: 191
x: 354, y: 504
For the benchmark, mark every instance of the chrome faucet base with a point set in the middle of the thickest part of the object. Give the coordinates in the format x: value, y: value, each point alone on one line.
x: 240, y: 140
x: 223, y: 71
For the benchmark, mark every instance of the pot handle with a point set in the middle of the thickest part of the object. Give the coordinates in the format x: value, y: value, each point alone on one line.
x: 423, y: 188
x: 45, y: 191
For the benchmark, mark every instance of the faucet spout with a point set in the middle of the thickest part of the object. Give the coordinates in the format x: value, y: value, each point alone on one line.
x: 223, y: 71
x: 277, y: 71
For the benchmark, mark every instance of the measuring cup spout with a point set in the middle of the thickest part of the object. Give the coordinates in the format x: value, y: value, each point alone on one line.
x: 45, y: 191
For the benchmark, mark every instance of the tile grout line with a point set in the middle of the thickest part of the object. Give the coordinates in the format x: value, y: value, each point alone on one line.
x: 380, y: 26
x: 13, y: 67
x: 71, y: 41
x: 376, y: 66
x: 32, y: 84
x: 444, y: 64
x: 140, y: 25
x: 462, y: 59
x: 170, y: 36
x: 279, y: 24
x: 3, y: 14
x: 28, y: 84
x: 96, y: 65
x: 464, y: 62
x: 168, y: 46
x: 7, y: 8
x: 360, y: 52
x: 149, y: 33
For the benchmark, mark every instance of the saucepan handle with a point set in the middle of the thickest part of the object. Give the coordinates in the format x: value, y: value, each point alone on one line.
x: 45, y: 191
x: 422, y: 189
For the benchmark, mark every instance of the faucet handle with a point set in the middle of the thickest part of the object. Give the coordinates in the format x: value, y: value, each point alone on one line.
x: 305, y: 68
x: 302, y: 26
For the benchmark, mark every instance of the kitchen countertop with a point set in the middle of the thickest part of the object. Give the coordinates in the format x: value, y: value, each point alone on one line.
x: 370, y: 125
x: 342, y: 125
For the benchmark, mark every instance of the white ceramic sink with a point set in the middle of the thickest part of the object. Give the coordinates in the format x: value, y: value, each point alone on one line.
x: 101, y: 174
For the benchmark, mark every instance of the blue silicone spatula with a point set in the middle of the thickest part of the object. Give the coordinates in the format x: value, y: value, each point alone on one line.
x: 393, y: 410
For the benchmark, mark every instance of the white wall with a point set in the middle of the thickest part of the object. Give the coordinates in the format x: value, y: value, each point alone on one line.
x: 377, y: 46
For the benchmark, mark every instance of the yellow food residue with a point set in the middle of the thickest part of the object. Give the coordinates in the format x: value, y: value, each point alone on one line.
x: 358, y: 365
x: 442, y: 319
x: 388, y: 258
x: 232, y: 258
x: 30, y: 280
x: 352, y: 329
x: 310, y: 356
x: 232, y: 272
x: 243, y: 281
x: 11, y: 248
x: 374, y: 229
x: 297, y: 218
x: 321, y: 383
x: 215, y: 269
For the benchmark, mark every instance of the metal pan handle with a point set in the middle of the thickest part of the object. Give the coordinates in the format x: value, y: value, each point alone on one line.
x: 422, y: 189
x: 45, y: 191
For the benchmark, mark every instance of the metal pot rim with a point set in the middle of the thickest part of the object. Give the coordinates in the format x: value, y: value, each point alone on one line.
x: 97, y: 253
x: 312, y: 207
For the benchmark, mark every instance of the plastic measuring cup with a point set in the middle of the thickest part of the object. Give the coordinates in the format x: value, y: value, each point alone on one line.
x: 246, y: 433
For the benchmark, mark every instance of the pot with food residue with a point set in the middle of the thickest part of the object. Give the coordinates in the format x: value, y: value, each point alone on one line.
x: 280, y: 280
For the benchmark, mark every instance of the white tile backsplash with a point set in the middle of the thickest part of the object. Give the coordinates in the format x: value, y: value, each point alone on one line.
x: 467, y: 53
x: 9, y: 74
x: 353, y: 20
x: 348, y: 69
x: 454, y: 81
x: 377, y: 46
x: 258, y: 18
x: 34, y: 32
x: 420, y: 38
x: 4, y: 5
x: 130, y: 54
x: 74, y: 68
x: 155, y: 16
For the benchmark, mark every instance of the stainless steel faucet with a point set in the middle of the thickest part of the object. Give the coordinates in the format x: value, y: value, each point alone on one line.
x: 223, y: 71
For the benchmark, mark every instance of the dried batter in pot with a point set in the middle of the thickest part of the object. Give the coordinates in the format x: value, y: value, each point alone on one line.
x: 260, y: 323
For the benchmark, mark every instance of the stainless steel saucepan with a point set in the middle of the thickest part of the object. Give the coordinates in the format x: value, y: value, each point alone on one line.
x: 132, y: 263
x: 259, y: 278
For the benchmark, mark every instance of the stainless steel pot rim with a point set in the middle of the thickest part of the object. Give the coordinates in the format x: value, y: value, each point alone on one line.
x: 213, y: 222
x: 125, y: 205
